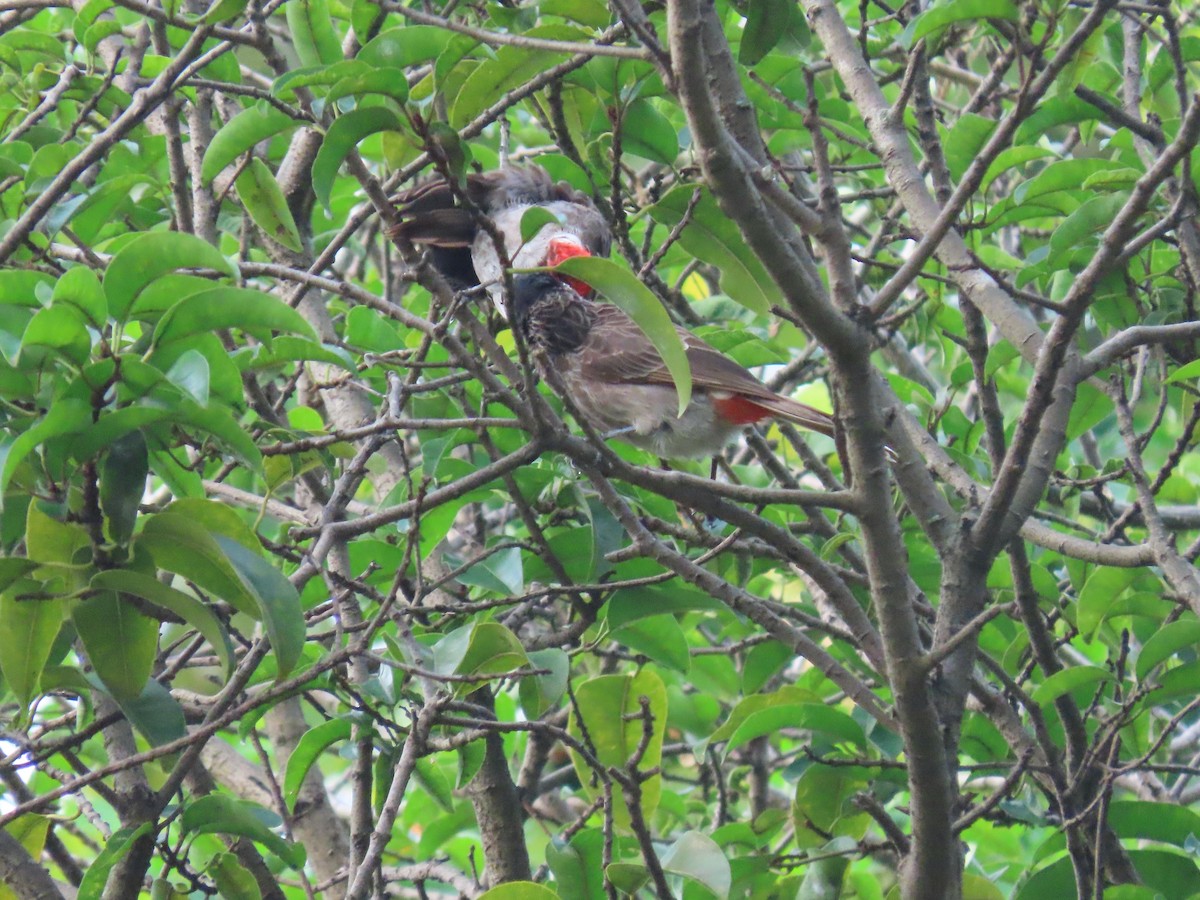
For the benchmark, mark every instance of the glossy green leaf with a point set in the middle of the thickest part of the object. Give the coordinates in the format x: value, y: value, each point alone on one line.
x: 240, y: 134
x: 659, y: 638
x: 59, y: 329
x: 277, y: 601
x: 612, y: 714
x: 156, y: 715
x: 763, y: 29
x: 81, y: 288
x: 713, y: 237
x: 121, y: 642
x: 578, y: 865
x: 387, y: 81
x: 540, y: 693
x: 949, y: 12
x: 233, y: 880
x: 111, y: 852
x: 264, y: 201
x: 312, y: 31
x: 1165, y: 643
x: 222, y: 814
x: 647, y: 132
x: 1103, y: 588
x: 254, y: 312
x: 30, y: 627
x: 122, y: 484
x: 152, y: 255
x: 343, y: 136
x: 1068, y: 680
x: 178, y: 544
x: 519, y: 890
x: 308, y: 749
x: 187, y: 607
x: 696, y: 857
x: 623, y: 288
x: 67, y: 416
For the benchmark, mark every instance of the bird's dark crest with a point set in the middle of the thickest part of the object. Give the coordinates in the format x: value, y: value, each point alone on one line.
x: 550, y: 314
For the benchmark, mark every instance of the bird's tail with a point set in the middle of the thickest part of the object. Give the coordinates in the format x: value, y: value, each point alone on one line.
x: 799, y: 414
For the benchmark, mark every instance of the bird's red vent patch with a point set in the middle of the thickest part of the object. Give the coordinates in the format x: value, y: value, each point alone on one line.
x: 739, y: 410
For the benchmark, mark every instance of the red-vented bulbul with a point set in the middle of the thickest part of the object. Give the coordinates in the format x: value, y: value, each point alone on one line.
x: 617, y: 380
x: 464, y: 253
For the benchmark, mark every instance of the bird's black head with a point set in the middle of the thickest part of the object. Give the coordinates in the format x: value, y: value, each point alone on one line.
x: 528, y: 291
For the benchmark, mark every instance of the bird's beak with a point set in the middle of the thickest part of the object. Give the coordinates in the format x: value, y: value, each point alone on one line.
x: 562, y: 249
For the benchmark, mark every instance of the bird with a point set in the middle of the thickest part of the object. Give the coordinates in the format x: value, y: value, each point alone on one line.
x: 617, y: 380
x: 432, y: 217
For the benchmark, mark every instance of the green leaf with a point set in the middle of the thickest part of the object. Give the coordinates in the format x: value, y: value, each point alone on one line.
x: 712, y: 237
x: 823, y: 805
x: 762, y: 663
x: 223, y: 10
x: 512, y: 66
x: 611, y: 710
x: 286, y: 85
x: 763, y: 29
x: 222, y: 814
x: 659, y: 638
x: 187, y: 607
x: 154, y: 713
x: 187, y: 548
x: 1064, y: 175
x: 697, y: 857
x: 240, y: 134
x: 578, y: 866
x: 252, y: 311
x: 825, y: 875
x: 343, y: 136
x: 112, y: 851
x: 500, y: 572
x: 630, y: 604
x: 540, y: 693
x: 67, y: 416
x: 264, y: 201
x: 534, y: 220
x: 277, y: 601
x: 152, y: 255
x: 311, y: 745
x: 815, y: 717
x: 386, y: 81
x: 1165, y: 642
x: 233, y: 880
x: 647, y: 132
x: 79, y: 287
x: 30, y: 627
x: 519, y: 890
x: 121, y: 642
x: 312, y: 32
x: 1068, y: 680
x: 951, y: 11
x: 122, y: 484
x: 626, y: 291
x: 1184, y: 372
x: 1103, y: 588
x: 60, y: 329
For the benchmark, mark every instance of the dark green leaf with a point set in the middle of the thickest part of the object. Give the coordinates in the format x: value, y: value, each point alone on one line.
x: 149, y: 256
x: 221, y: 814
x: 311, y: 745
x: 343, y: 136
x: 264, y: 201
x: 240, y: 133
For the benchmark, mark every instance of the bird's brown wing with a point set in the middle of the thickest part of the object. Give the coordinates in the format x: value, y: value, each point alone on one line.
x: 618, y: 352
